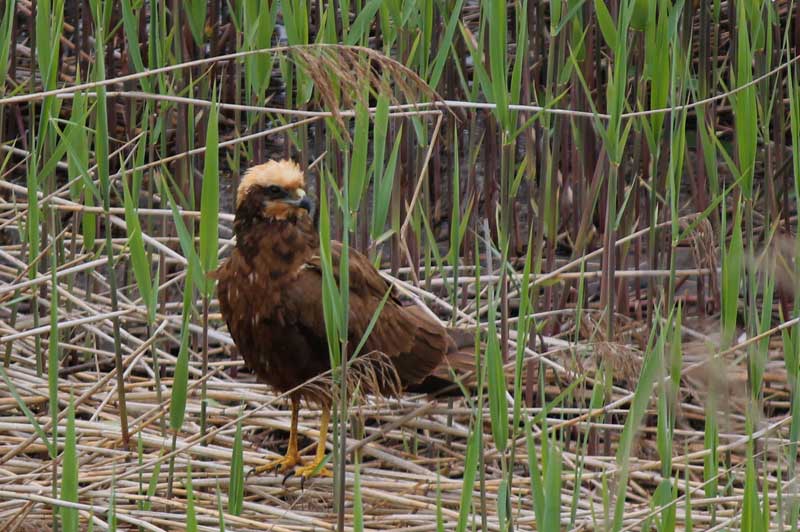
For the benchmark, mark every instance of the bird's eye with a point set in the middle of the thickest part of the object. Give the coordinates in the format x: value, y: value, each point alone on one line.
x: 275, y: 191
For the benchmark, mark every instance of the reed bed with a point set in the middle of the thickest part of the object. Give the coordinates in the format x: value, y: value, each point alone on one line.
x: 604, y: 192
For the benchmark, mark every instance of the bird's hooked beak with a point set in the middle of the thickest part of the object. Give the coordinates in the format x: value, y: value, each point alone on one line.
x: 299, y: 199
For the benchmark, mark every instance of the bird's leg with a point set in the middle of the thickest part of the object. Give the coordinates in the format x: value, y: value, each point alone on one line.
x: 310, y: 470
x: 292, y: 457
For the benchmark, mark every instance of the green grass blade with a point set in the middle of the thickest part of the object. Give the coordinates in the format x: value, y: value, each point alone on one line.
x: 49, y: 20
x: 751, y: 511
x: 358, y: 178
x: 439, y: 513
x: 112, y: 505
x: 383, y: 189
x: 236, y: 485
x: 191, y: 514
x: 517, y: 70
x: 607, y: 27
x: 77, y: 147
x: 479, y: 72
x: 744, y: 103
x: 638, y: 408
x: 131, y: 26
x: 537, y: 483
x: 6, y: 25
x: 445, y: 45
x: 32, y: 224
x: 470, y: 470
x: 688, y: 519
x: 177, y: 409
x: 759, y: 354
x: 380, y: 133
x: 152, y: 486
x: 732, y: 265
x: 502, y: 505
x: 498, y: 46
x: 101, y: 149
x: 331, y: 304
x: 552, y: 489
x: 27, y: 411
x: 358, y: 504
x: 209, y: 202
x: 141, y: 265
x: 69, y: 474
x: 498, y: 403
x: 53, y: 350
x: 196, y: 15
x: 259, y: 25
x: 371, y: 325
x: 185, y: 239
x: 220, y: 511
x: 359, y: 31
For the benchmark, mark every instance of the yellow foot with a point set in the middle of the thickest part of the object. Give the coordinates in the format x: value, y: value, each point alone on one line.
x: 310, y: 470
x: 283, y: 465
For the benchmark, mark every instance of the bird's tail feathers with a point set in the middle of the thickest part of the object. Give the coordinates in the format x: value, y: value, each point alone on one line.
x: 457, y: 369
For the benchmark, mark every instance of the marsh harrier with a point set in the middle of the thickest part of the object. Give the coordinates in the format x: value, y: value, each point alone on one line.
x: 270, y: 295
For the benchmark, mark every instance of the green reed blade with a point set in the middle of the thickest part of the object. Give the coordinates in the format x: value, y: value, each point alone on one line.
x: 69, y: 473
x: 209, y: 202
x: 191, y: 513
x: 236, y: 484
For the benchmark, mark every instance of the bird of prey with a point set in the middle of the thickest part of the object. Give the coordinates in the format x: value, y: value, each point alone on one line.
x: 270, y: 295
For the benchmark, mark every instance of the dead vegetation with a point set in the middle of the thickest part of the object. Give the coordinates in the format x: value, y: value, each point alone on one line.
x: 659, y: 387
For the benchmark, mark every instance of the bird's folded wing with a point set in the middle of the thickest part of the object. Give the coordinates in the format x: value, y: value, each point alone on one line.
x: 415, y: 343
x: 364, y: 278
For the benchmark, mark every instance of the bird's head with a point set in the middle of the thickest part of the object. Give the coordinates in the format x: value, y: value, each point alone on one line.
x: 273, y: 191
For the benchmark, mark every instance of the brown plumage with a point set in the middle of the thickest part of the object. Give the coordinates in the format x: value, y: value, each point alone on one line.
x: 270, y: 294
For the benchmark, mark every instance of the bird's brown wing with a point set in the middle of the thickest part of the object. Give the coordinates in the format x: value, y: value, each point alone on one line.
x: 415, y: 342
x: 225, y: 276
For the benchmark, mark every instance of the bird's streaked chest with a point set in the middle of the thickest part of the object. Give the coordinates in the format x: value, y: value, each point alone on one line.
x: 260, y: 271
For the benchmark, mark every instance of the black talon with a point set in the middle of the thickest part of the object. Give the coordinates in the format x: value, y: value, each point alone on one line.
x: 289, y: 475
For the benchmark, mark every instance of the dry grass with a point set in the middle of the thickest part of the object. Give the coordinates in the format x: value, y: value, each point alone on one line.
x: 580, y: 371
x: 415, y: 448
